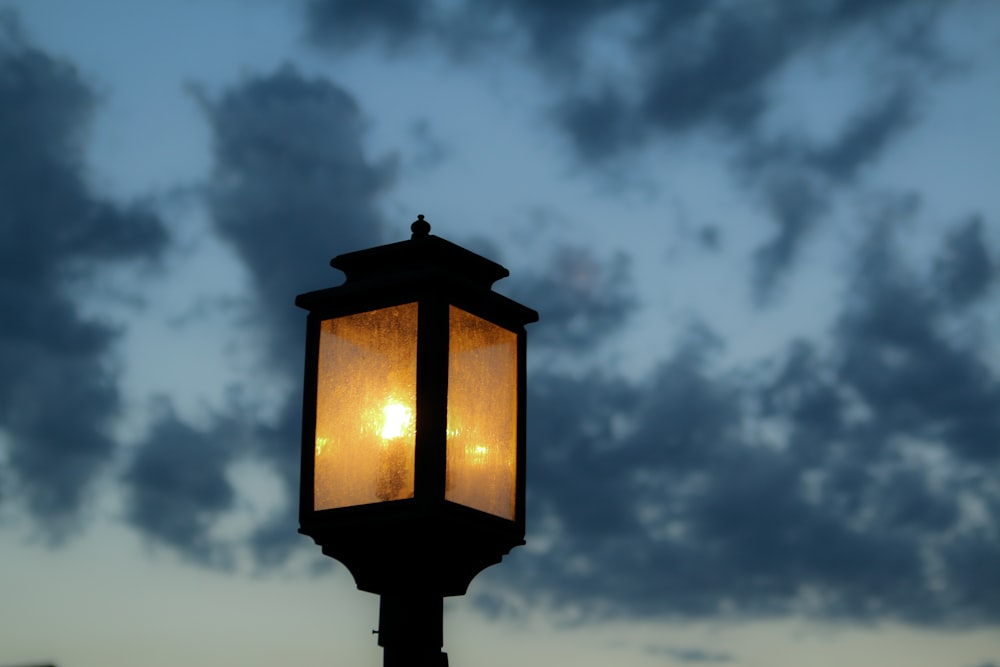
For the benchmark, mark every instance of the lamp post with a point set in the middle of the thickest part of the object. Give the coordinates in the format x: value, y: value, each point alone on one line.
x: 413, y: 452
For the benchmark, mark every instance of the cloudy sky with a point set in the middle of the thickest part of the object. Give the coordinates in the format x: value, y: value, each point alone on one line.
x: 764, y: 394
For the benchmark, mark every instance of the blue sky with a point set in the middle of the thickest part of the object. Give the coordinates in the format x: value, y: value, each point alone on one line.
x: 763, y: 393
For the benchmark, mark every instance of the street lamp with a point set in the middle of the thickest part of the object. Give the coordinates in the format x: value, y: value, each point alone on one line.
x: 413, y: 429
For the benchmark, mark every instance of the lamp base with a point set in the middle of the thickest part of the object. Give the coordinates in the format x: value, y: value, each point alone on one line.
x: 391, y: 550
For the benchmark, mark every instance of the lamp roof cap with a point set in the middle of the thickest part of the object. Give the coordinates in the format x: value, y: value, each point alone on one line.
x: 422, y: 251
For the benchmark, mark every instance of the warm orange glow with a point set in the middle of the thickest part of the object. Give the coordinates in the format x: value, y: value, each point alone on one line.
x: 397, y: 421
x: 365, y: 408
x: 482, y: 414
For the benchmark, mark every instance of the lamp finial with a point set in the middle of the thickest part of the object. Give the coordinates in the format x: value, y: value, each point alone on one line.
x: 420, y: 227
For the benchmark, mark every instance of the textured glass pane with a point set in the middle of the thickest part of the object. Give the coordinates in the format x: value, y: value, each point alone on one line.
x: 366, y: 408
x: 482, y: 414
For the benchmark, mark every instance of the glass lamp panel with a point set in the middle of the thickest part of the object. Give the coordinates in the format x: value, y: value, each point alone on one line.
x: 482, y: 414
x: 366, y: 400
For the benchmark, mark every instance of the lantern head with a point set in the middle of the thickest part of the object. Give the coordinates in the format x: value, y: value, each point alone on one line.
x: 413, y: 455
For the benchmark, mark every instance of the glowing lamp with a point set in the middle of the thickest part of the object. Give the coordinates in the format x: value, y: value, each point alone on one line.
x: 413, y: 455
x: 366, y: 411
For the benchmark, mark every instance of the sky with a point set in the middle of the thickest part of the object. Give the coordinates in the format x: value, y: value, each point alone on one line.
x: 763, y: 395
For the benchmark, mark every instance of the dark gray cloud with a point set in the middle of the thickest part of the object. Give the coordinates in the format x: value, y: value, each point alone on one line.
x: 58, y: 392
x: 834, y: 480
x: 864, y: 138
x: 347, y: 24
x: 901, y: 359
x: 585, y: 299
x: 798, y: 179
x: 707, y: 68
x: 291, y: 188
x: 179, y: 486
x: 796, y: 203
x: 692, y: 64
x: 966, y: 269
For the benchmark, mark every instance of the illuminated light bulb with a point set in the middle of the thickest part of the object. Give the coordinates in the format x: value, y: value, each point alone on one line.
x: 478, y: 453
x: 396, y: 460
x: 398, y: 421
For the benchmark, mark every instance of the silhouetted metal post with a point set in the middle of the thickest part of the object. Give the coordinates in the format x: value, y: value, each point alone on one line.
x: 411, y: 631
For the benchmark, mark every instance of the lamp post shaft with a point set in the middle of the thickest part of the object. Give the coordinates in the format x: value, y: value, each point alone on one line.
x: 410, y: 630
